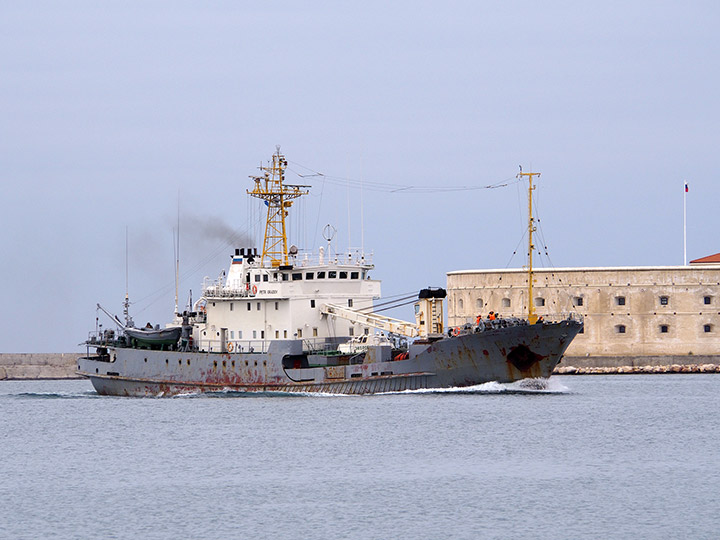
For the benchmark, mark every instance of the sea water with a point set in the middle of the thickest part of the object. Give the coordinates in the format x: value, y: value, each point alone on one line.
x: 581, y: 457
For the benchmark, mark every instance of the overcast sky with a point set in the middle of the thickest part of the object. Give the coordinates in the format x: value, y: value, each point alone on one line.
x: 111, y: 112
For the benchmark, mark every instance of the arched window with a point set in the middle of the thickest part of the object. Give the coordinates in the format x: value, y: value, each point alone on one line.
x: 479, y: 303
x: 460, y: 304
x: 505, y: 302
x: 620, y: 329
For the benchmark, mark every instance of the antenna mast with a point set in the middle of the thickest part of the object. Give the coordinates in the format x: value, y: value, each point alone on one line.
x: 278, y: 198
x: 532, y: 316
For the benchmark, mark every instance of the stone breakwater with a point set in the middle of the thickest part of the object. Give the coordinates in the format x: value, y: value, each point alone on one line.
x: 620, y: 370
x: 18, y: 366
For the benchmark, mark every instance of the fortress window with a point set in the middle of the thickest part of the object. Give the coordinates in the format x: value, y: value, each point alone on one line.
x: 321, y: 275
x: 707, y: 300
x: 266, y: 277
x: 479, y: 303
x: 332, y: 274
x: 540, y: 302
x: 354, y: 275
x: 578, y: 300
x: 620, y: 301
x: 663, y: 328
x: 350, y: 302
x: 664, y: 300
x: 505, y: 302
x: 257, y: 277
x: 620, y: 328
x: 707, y: 328
x: 312, y: 303
x: 297, y: 276
x: 343, y: 275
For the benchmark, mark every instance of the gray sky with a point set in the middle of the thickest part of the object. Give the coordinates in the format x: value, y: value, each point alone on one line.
x: 111, y: 109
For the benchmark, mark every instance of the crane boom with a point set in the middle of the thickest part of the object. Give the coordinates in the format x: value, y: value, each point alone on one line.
x: 395, y: 326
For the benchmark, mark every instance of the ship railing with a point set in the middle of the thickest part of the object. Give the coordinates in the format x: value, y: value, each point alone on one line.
x: 513, y: 320
x: 214, y: 288
x: 354, y: 257
x: 236, y: 345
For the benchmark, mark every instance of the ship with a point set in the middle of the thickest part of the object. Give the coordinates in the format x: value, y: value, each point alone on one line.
x: 282, y: 321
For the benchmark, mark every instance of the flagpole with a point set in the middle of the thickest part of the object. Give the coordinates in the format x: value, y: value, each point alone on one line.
x: 685, y: 192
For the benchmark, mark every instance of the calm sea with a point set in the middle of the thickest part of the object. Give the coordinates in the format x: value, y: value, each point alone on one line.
x: 589, y: 457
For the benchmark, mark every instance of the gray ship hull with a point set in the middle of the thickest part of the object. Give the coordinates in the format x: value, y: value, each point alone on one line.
x: 502, y: 354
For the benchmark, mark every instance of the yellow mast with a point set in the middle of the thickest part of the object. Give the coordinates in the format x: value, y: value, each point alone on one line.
x: 278, y: 198
x: 532, y: 316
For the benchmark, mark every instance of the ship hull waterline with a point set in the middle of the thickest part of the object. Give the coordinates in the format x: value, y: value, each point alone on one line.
x: 502, y: 355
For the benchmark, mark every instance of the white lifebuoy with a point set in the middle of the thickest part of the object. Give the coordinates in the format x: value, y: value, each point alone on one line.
x: 254, y: 289
x: 230, y: 347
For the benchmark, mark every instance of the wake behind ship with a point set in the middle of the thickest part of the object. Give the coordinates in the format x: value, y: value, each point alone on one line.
x: 280, y: 321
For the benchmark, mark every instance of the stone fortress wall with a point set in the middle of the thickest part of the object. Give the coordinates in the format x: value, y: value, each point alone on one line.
x: 633, y: 315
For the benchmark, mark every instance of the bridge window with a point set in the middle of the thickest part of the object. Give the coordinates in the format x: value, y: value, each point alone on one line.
x: 297, y: 276
x: 284, y: 277
x: 266, y: 277
x: 332, y: 274
x: 309, y: 275
x: 343, y: 275
x: 321, y: 275
x: 257, y: 277
x: 354, y: 275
